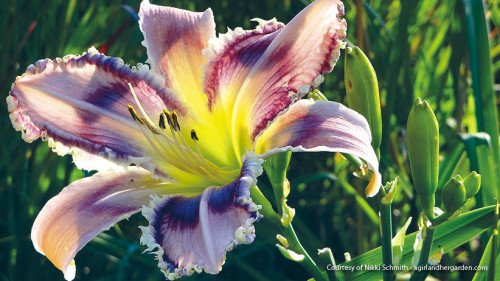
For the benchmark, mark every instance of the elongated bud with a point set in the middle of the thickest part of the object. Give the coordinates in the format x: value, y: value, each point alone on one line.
x: 275, y: 167
x: 362, y: 91
x: 422, y: 141
x: 472, y: 183
x: 453, y: 194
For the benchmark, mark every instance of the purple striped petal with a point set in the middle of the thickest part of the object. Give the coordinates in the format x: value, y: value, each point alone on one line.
x: 79, y: 104
x: 293, y: 64
x: 174, y: 39
x: 321, y: 126
x: 87, y: 207
x: 190, y: 234
x: 232, y: 56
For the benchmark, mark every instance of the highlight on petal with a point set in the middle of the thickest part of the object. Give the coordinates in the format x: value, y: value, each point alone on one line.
x: 293, y: 64
x: 87, y: 207
x: 189, y: 234
x: 321, y: 126
x: 79, y: 104
x: 174, y: 39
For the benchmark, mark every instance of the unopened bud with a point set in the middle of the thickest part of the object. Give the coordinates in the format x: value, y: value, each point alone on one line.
x: 362, y: 91
x: 283, y: 241
x: 422, y: 141
x: 453, y: 194
x: 472, y: 183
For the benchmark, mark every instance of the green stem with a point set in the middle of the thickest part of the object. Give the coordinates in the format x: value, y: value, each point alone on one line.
x: 386, y: 235
x: 424, y: 255
x: 308, y: 263
x: 442, y: 218
x: 278, y: 196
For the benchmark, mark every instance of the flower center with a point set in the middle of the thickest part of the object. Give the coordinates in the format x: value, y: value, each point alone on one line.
x: 168, y: 141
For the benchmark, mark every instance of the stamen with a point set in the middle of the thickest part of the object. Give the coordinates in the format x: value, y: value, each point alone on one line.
x: 179, y: 152
x: 161, y: 123
x: 193, y: 135
x: 134, y: 114
x: 169, y: 118
x: 146, y: 118
x: 151, y: 128
x: 175, y: 122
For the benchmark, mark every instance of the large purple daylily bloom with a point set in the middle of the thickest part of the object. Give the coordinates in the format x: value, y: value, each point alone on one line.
x: 185, y: 140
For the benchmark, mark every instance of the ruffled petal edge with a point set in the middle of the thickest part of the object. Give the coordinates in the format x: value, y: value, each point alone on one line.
x: 244, y: 234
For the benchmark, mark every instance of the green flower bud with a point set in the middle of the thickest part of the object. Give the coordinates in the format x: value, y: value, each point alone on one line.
x: 316, y: 95
x: 472, y: 183
x: 453, y: 194
x: 276, y: 167
x: 422, y: 141
x: 362, y: 91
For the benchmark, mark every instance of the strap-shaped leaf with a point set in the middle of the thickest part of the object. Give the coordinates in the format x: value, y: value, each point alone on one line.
x: 449, y: 235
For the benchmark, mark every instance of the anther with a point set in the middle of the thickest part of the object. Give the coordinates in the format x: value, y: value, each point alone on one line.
x: 134, y: 114
x: 193, y: 135
x: 169, y: 118
x: 175, y: 122
x: 161, y: 123
x: 195, y: 138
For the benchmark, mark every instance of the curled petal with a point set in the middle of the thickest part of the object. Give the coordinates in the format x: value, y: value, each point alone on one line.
x: 174, y: 39
x: 293, y: 64
x: 190, y: 234
x: 321, y: 126
x: 87, y: 207
x: 79, y: 104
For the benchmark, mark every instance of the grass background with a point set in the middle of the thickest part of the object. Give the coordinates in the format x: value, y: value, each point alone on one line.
x: 418, y: 49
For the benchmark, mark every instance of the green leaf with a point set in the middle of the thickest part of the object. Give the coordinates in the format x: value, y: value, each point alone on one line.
x: 398, y: 243
x: 449, y: 235
x: 489, y: 258
x: 289, y: 254
x: 482, y: 77
x: 482, y: 275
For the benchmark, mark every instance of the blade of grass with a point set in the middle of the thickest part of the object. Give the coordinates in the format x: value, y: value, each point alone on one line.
x: 489, y: 256
x: 482, y: 78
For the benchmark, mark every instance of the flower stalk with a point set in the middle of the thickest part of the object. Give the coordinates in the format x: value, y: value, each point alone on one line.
x: 275, y: 168
x: 308, y: 263
x: 420, y: 275
x: 386, y: 233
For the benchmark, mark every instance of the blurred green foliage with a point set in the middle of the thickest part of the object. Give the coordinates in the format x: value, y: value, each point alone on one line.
x: 417, y: 48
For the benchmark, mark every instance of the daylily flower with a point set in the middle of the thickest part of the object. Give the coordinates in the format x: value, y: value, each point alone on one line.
x: 184, y: 141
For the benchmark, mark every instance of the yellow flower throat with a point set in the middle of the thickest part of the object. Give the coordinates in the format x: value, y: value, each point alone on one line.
x: 167, y: 140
